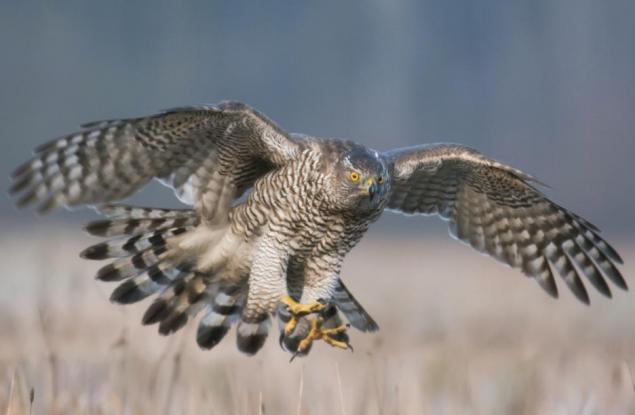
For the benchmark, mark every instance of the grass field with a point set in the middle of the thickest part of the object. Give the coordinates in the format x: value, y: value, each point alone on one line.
x: 460, y: 334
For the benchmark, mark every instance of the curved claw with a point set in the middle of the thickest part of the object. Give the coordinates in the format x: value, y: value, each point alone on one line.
x: 317, y: 332
x: 298, y: 310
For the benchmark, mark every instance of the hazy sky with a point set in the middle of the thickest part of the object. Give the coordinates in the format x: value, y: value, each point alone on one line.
x: 548, y: 86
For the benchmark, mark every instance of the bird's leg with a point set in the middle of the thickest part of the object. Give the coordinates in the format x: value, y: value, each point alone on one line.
x: 318, y: 332
x: 298, y: 310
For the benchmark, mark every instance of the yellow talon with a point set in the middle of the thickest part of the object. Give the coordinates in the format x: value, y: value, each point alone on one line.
x: 314, y: 334
x: 319, y: 333
x: 298, y: 310
x: 290, y: 326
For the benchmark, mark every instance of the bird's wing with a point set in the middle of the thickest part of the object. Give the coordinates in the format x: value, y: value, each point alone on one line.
x: 209, y: 154
x: 497, y: 210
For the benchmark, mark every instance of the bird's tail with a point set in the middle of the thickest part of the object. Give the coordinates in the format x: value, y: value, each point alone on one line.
x: 139, y: 248
x: 144, y: 265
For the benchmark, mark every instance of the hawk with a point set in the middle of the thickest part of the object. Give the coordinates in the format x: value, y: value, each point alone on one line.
x: 273, y: 214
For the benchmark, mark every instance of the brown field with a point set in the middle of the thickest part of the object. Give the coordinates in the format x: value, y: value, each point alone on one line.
x: 460, y: 334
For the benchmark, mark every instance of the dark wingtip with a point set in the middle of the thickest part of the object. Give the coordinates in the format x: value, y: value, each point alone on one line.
x: 613, y: 254
x: 91, y: 124
x: 49, y: 145
x: 98, y: 227
x: 108, y: 273
x: 548, y: 285
x: 22, y: 169
x: 618, y: 279
x: 47, y: 206
x: 20, y: 184
x: 99, y: 251
x: 605, y: 292
x: 27, y: 199
x: 599, y: 283
x: 583, y: 297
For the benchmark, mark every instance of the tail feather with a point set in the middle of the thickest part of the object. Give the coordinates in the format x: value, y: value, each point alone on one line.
x: 172, y: 300
x: 144, y: 264
x: 118, y: 227
x: 140, y: 260
x: 353, y: 310
x: 187, y: 296
x: 184, y: 298
x: 123, y: 247
x: 251, y: 336
x: 144, y: 285
x: 181, y: 298
x: 134, y: 220
x: 136, y: 212
x: 223, y: 312
x: 124, y: 268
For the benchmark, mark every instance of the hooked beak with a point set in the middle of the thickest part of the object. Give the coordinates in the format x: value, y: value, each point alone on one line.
x: 373, y: 188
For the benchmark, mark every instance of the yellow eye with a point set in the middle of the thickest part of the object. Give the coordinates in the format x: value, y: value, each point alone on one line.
x: 354, y: 176
x: 380, y: 180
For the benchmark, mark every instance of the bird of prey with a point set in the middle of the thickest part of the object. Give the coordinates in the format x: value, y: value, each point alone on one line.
x: 273, y: 214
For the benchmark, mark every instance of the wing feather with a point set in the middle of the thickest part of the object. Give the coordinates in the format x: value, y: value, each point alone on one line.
x: 209, y: 154
x: 498, y: 211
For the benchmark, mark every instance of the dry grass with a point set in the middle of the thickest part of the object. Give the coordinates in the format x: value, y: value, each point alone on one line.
x: 460, y: 334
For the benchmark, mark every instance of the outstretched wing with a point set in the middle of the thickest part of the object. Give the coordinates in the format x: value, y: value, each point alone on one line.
x: 208, y: 154
x: 497, y: 210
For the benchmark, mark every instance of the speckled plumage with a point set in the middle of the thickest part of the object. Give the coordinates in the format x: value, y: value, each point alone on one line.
x: 276, y: 213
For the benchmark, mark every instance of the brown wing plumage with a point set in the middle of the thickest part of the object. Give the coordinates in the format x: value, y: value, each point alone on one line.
x: 209, y: 154
x: 498, y: 211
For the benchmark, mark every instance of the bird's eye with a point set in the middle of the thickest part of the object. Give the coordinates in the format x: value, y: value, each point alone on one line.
x: 380, y: 180
x: 354, y: 176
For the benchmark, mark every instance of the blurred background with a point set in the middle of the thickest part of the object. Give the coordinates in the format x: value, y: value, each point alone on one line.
x: 546, y: 86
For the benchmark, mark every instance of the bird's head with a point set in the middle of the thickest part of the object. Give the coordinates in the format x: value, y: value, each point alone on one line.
x: 362, y: 180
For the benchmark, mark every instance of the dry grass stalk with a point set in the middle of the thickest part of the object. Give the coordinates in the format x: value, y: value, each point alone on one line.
x: 300, y: 392
x: 11, y: 392
x: 339, y: 387
x: 174, y: 378
x: 45, y: 324
x: 261, y: 404
x: 31, y: 400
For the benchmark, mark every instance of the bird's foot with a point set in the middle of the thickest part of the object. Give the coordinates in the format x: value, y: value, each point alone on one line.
x: 330, y: 335
x: 297, y: 310
x: 304, y: 324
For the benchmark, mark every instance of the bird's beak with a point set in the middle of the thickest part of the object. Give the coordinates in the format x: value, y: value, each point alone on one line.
x: 373, y: 188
